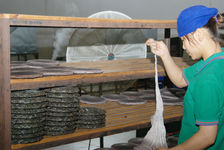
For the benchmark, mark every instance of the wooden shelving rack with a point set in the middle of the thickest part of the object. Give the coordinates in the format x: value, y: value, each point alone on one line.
x: 118, y: 70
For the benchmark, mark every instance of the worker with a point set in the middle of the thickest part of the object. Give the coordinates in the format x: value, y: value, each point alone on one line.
x: 202, y: 125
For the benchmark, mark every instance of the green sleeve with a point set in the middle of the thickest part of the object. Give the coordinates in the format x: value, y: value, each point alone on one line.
x: 207, y: 105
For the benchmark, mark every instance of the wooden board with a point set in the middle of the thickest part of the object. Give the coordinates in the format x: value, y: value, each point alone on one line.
x: 119, y: 118
x: 58, y: 21
x: 116, y: 70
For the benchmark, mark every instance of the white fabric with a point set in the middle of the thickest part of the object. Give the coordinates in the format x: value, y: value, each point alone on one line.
x: 156, y: 136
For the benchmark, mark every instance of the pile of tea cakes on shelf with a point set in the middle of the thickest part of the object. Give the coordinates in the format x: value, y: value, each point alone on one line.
x: 50, y: 112
x: 28, y: 110
x: 36, y: 68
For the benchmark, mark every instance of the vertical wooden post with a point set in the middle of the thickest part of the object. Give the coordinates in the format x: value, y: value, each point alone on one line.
x: 167, y: 38
x: 5, y: 102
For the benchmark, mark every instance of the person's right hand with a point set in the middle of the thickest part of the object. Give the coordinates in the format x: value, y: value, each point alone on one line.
x: 158, y: 47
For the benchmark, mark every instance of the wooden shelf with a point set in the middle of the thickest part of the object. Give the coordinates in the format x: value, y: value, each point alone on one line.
x: 116, y: 70
x: 119, y: 118
x: 143, y: 69
x: 56, y: 21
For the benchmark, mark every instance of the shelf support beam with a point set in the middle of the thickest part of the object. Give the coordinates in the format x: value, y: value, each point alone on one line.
x: 5, y: 102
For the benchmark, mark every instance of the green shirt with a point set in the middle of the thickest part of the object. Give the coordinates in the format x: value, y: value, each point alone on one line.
x: 204, y: 99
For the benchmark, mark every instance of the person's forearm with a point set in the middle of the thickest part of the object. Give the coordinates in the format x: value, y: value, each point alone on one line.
x: 173, y: 71
x: 200, y: 140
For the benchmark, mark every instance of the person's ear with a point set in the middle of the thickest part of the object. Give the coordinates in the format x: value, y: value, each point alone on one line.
x: 199, y: 34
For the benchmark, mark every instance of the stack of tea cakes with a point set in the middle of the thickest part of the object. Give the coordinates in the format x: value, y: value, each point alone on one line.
x: 91, y: 117
x: 28, y: 116
x: 62, y: 110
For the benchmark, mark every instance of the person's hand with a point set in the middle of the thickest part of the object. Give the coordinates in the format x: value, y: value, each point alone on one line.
x: 158, y: 47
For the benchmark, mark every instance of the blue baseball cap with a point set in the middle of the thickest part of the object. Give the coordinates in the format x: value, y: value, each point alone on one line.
x: 194, y: 17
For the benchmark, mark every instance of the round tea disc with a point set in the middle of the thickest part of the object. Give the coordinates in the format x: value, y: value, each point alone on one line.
x: 25, y: 75
x: 147, y: 91
x: 28, y: 106
x: 55, y: 133
x: 123, y: 146
x: 86, y: 70
x: 43, y: 62
x: 136, y: 141
x: 62, y: 110
x: 27, y: 93
x: 27, y: 140
x: 92, y: 111
x: 63, y: 90
x: 148, y: 97
x: 114, y: 97
x: 27, y: 131
x: 89, y: 99
x: 56, y: 72
x: 24, y: 69
x: 27, y: 100
x: 132, y: 93
x: 132, y: 101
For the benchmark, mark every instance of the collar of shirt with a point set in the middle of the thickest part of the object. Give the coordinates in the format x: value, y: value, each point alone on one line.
x: 203, y: 64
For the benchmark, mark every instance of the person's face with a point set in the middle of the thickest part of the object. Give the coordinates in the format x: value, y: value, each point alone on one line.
x: 190, y: 46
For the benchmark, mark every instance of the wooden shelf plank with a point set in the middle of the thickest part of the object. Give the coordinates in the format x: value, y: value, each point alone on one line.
x: 61, y: 21
x: 119, y: 118
x: 116, y: 70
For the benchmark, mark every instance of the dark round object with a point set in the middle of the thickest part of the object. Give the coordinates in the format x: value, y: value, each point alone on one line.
x: 62, y: 110
x: 26, y: 131
x: 27, y: 140
x: 123, y: 146
x: 59, y: 114
x: 148, y: 97
x: 27, y: 121
x: 27, y: 111
x: 53, y: 118
x: 27, y: 100
x: 27, y: 125
x: 92, y: 111
x: 86, y: 70
x: 63, y: 96
x: 89, y: 99
x: 43, y: 62
x: 136, y: 141
x: 132, y: 93
x: 114, y: 97
x: 63, y: 90
x: 55, y: 133
x: 27, y: 93
x: 55, y: 72
x: 28, y: 116
x: 132, y: 101
x: 60, y: 123
x: 147, y: 92
x: 25, y: 75
x: 28, y: 106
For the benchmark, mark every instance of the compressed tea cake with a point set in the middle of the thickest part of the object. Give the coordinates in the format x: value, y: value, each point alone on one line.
x: 132, y: 101
x: 123, y: 146
x: 28, y: 116
x: 91, y: 117
x: 62, y: 110
x: 114, y: 97
x: 25, y: 74
x: 89, y: 99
